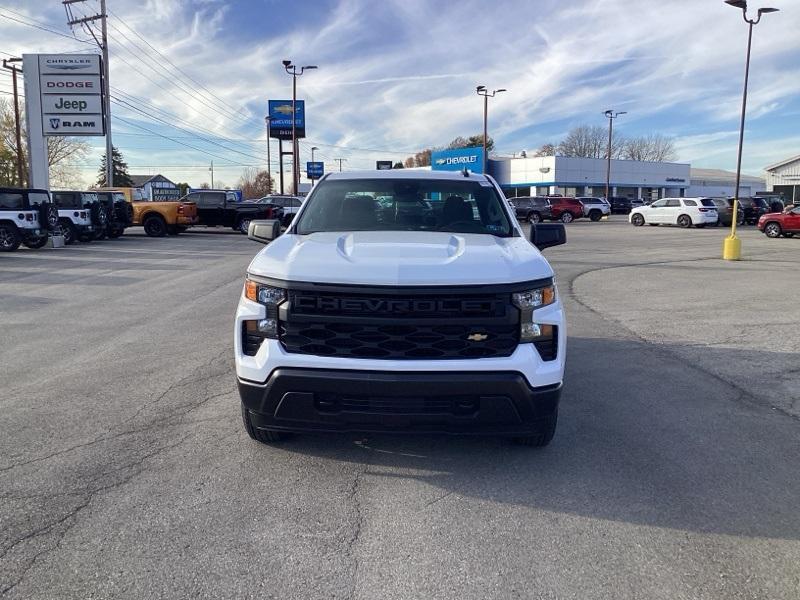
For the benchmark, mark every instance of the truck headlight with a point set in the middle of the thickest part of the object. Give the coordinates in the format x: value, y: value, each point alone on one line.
x: 534, y: 298
x: 263, y: 294
x: 527, y: 302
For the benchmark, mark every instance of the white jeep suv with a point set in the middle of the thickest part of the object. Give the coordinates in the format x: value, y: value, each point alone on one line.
x: 684, y: 212
x: 427, y: 311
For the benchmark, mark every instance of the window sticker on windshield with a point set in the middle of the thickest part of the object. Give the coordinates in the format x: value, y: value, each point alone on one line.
x: 494, y: 228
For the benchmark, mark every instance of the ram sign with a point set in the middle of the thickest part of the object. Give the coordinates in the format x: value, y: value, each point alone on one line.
x: 458, y: 159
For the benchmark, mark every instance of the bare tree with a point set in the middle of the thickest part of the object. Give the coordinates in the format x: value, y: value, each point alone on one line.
x: 650, y: 148
x: 590, y: 141
x: 255, y: 183
x: 61, y: 152
x: 546, y: 150
x: 205, y: 186
x: 409, y: 162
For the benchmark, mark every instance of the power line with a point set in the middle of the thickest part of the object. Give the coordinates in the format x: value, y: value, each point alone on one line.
x: 40, y: 27
x: 119, y: 102
x: 176, y: 67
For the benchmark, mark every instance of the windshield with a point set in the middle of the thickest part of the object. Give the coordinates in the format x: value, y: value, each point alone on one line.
x: 405, y: 205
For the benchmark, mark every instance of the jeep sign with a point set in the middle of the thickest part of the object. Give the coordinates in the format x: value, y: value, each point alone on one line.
x: 64, y: 104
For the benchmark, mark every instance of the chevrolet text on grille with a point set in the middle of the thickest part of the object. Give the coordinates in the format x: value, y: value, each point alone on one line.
x: 391, y: 306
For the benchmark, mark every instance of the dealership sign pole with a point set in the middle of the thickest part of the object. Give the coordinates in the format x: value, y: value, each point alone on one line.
x: 64, y: 97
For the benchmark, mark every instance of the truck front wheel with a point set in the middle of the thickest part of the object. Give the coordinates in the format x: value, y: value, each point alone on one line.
x: 545, y: 430
x: 154, y: 226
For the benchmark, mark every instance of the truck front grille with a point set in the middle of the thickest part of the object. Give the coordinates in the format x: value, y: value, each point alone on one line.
x: 400, y: 327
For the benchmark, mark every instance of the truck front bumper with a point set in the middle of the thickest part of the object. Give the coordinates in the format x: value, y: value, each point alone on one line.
x: 333, y: 400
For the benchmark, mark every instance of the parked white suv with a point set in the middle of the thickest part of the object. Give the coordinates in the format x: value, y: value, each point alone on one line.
x: 427, y: 311
x: 26, y: 217
x: 595, y: 208
x: 684, y: 212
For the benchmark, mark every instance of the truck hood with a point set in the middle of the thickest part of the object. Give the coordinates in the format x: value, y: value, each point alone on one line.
x: 400, y: 258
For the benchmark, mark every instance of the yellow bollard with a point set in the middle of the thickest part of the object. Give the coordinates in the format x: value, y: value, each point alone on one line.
x: 732, y: 248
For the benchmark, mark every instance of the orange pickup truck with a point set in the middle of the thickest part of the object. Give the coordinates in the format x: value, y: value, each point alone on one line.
x: 161, y: 218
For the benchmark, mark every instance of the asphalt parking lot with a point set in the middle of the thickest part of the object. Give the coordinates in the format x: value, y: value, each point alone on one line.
x: 125, y: 471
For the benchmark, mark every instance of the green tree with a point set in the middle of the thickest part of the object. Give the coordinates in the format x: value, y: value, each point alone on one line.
x: 183, y: 188
x: 119, y: 171
x: 398, y: 165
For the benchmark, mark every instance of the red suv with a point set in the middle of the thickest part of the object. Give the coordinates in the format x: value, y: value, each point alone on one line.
x: 784, y: 224
x: 564, y: 209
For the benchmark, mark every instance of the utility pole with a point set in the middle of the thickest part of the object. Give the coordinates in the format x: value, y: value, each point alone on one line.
x: 103, y: 44
x: 610, y: 115
x: 340, y: 161
x: 14, y: 70
x: 212, y: 174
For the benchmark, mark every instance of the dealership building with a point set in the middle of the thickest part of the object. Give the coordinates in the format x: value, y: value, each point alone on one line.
x: 568, y: 176
x: 784, y: 178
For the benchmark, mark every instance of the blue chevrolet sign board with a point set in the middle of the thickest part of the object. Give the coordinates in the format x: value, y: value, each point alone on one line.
x: 280, y: 123
x: 315, y: 170
x: 458, y: 159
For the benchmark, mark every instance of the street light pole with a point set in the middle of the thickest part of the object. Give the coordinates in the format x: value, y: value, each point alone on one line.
x: 482, y: 91
x: 292, y: 70
x: 610, y: 115
x: 732, y: 246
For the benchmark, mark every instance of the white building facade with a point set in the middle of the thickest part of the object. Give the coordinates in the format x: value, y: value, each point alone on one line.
x: 784, y: 178
x: 539, y: 176
x: 717, y: 183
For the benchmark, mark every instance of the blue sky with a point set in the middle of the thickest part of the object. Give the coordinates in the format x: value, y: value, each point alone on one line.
x: 398, y: 76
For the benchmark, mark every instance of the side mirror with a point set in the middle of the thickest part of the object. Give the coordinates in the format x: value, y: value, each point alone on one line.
x: 263, y: 231
x: 545, y: 235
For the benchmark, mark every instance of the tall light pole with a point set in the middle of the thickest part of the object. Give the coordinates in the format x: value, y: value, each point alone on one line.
x: 482, y: 91
x: 732, y: 246
x: 292, y: 70
x: 268, y: 121
x: 610, y: 115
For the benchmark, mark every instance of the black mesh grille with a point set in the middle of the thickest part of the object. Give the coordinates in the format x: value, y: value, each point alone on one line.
x: 435, y: 405
x: 397, y: 327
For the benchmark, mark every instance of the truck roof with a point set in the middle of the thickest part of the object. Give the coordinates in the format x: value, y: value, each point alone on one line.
x: 406, y: 174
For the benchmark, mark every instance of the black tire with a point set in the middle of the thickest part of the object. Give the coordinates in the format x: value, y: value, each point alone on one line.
x: 773, y: 230
x: 85, y: 237
x: 684, y: 221
x: 154, y: 226
x: 100, y: 235
x: 37, y: 244
x: 173, y: 230
x: 9, y: 237
x: 264, y: 436
x: 740, y: 220
x: 566, y: 217
x: 546, y: 429
x: 700, y: 225
x: 69, y: 232
x: 637, y: 220
x: 534, y: 217
x: 595, y: 215
x: 243, y: 225
x: 115, y: 231
x: 788, y: 235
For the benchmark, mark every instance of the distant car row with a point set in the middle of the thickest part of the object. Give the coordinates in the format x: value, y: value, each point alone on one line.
x: 535, y: 209
x: 32, y: 216
x: 699, y: 212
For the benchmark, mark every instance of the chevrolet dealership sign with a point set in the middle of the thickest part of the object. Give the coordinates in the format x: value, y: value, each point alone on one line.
x: 458, y: 159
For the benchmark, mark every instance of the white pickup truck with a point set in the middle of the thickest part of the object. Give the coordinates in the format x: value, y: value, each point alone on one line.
x: 401, y: 301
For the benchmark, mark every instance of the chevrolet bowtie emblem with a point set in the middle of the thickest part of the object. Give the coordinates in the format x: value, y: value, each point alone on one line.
x: 477, y: 337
